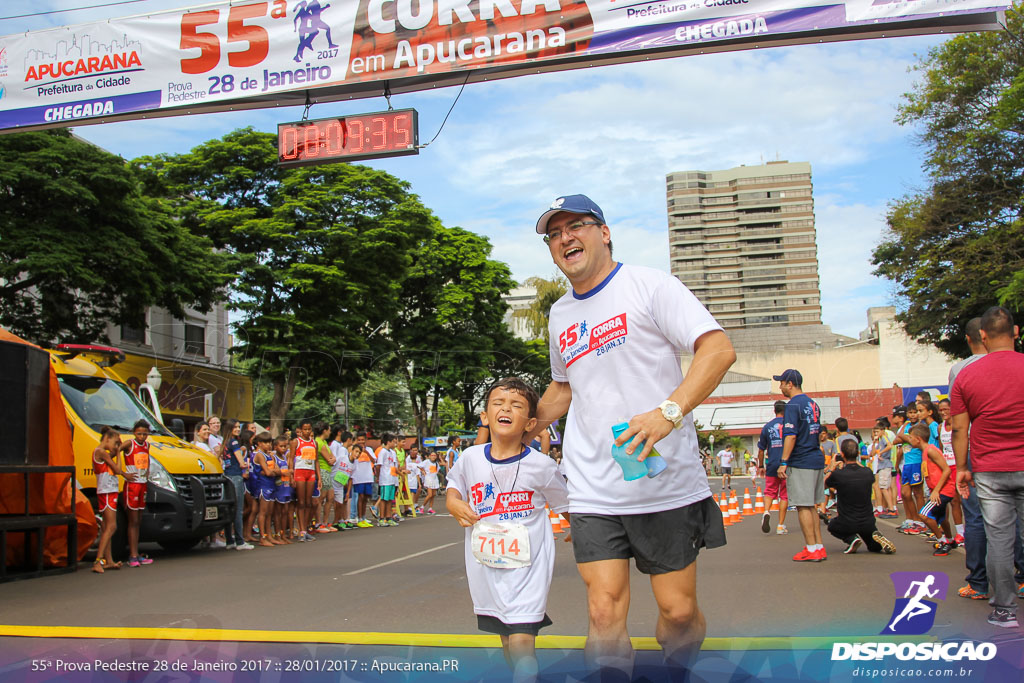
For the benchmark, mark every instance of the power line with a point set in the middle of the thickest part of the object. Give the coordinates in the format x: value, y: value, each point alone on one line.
x: 72, y: 9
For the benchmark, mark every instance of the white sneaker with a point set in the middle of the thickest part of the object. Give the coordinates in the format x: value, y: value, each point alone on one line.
x: 245, y: 546
x: 218, y: 543
x: 228, y: 546
x: 781, y: 530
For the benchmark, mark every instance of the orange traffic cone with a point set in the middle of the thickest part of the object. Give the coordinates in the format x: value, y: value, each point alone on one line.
x: 748, y: 509
x: 775, y: 505
x: 734, y: 509
x: 725, y: 510
x: 759, y: 502
x: 556, y: 528
x: 564, y: 523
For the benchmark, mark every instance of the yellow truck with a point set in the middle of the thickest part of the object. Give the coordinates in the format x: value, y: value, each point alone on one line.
x: 188, y: 495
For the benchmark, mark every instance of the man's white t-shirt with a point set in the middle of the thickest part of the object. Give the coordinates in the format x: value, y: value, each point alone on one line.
x: 725, y: 458
x: 363, y: 470
x: 514, y: 490
x: 619, y: 346
x: 388, y: 461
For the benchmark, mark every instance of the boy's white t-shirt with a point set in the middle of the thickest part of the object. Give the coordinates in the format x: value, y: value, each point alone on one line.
x: 619, y: 347
x: 513, y: 596
x: 341, y: 461
x: 415, y: 468
x: 388, y: 461
x: 362, y: 472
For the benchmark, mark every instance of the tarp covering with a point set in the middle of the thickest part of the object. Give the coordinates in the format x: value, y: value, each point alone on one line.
x: 50, y: 493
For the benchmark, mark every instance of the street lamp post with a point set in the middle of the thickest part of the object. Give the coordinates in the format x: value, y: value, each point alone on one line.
x: 341, y: 408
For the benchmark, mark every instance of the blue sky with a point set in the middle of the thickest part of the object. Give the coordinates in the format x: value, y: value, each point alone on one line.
x: 613, y: 133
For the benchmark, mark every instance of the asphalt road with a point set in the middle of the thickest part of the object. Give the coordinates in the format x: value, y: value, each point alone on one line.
x: 411, y: 579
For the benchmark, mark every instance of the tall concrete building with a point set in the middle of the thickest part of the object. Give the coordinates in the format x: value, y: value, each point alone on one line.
x: 743, y: 241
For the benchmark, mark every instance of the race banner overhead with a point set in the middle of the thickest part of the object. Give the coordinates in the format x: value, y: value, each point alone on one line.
x: 243, y: 54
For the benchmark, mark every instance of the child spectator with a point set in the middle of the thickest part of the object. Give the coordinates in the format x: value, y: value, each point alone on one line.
x: 265, y: 473
x: 341, y: 477
x: 284, y: 491
x: 881, y: 458
x: 909, y: 465
x: 136, y: 468
x: 413, y: 469
x: 104, y: 464
x: 854, y: 524
x: 305, y: 454
x: 387, y: 461
x: 498, y: 492
x: 431, y: 482
x: 946, y: 439
x: 252, y: 493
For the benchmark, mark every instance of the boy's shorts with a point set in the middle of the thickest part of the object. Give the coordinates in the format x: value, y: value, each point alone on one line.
x: 305, y: 475
x: 490, y: 624
x: 340, y: 493
x: 266, y: 489
x: 106, y: 501
x: 283, y: 494
x: 774, y: 487
x: 660, y: 542
x: 937, y: 512
x: 884, y: 478
x: 362, y: 489
x: 135, y: 495
x: 727, y: 470
x: 387, y: 492
x: 911, y: 474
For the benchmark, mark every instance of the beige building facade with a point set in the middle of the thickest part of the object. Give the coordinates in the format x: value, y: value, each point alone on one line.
x: 743, y: 241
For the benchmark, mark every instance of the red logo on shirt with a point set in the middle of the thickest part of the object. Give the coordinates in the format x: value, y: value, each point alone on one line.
x: 603, y: 337
x: 514, y: 501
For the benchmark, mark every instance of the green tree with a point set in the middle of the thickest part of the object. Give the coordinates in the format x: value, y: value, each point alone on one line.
x: 320, y: 255
x: 452, y: 321
x: 450, y: 415
x: 957, y: 247
x: 379, y: 401
x: 81, y: 246
x: 548, y: 292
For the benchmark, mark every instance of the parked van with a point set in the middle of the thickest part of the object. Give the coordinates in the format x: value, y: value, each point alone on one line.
x: 188, y: 496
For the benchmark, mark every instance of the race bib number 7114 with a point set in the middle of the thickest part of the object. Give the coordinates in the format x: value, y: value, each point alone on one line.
x: 502, y: 546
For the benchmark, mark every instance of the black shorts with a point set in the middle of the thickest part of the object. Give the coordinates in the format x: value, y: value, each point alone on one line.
x: 495, y: 625
x: 661, y: 542
x: 727, y: 470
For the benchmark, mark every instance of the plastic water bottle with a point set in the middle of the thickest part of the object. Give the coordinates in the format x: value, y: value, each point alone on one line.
x: 632, y: 468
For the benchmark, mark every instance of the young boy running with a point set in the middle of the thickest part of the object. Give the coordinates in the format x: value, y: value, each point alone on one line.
x: 943, y: 489
x: 498, y: 492
x: 136, y: 469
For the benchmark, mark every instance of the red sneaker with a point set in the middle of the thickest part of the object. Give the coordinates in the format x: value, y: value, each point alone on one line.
x: 820, y: 555
x: 806, y: 556
x: 958, y: 539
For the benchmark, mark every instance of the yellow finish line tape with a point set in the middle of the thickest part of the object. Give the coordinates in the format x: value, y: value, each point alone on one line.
x: 405, y: 639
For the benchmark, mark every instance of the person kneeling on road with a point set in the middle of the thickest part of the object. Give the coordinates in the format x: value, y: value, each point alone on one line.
x: 856, y: 521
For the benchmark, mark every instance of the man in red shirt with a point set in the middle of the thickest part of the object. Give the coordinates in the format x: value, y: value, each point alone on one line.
x: 985, y: 392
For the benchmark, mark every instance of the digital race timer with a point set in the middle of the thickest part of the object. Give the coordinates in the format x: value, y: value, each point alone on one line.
x: 348, y: 138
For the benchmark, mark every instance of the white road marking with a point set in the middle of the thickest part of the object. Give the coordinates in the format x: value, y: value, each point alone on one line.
x: 402, y: 559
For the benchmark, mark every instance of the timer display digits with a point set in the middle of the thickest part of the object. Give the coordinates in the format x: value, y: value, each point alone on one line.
x: 348, y: 138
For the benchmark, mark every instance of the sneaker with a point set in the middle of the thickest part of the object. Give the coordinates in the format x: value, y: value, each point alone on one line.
x: 309, y: 537
x: 831, y: 504
x: 941, y: 550
x: 854, y: 544
x: 959, y: 540
x: 301, y: 538
x: 914, y: 531
x: 396, y: 517
x: 431, y: 511
x: 820, y: 555
x: 887, y: 546
x: 382, y: 523
x: 373, y: 511
x: 134, y: 562
x: 392, y: 522
x: 339, y: 526
x: 971, y: 594
x: 218, y: 543
x: 889, y: 514
x: 364, y: 524
x: 930, y: 537
x: 245, y: 546
x: 806, y: 556
x: 1003, y: 617
x: 791, y: 508
x: 766, y: 523
x: 781, y: 530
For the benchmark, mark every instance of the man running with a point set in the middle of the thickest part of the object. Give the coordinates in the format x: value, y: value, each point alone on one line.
x: 725, y: 464
x: 617, y: 340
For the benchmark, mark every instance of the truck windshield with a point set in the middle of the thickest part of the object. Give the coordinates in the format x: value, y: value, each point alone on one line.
x: 101, y: 401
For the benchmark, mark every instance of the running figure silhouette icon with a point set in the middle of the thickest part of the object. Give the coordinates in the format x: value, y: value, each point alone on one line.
x: 914, y: 613
x: 308, y: 23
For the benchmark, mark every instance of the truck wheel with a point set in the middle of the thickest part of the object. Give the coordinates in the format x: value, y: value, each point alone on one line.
x: 180, y: 545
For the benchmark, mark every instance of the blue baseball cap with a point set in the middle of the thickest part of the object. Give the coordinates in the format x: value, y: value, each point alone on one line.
x: 573, y: 203
x: 793, y: 376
